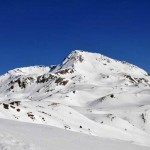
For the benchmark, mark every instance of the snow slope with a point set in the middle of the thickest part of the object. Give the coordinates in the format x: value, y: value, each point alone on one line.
x: 87, y: 93
x: 47, y: 137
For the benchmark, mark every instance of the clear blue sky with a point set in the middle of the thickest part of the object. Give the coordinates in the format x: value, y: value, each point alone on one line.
x: 43, y: 32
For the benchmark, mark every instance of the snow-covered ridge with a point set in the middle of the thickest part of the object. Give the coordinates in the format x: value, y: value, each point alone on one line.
x: 87, y: 92
x: 100, y: 62
x: 79, y: 57
x: 30, y: 70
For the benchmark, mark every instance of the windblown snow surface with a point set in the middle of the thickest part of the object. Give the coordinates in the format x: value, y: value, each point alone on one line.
x: 105, y: 101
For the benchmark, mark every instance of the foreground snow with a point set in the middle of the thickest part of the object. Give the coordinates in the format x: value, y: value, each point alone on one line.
x: 41, y: 137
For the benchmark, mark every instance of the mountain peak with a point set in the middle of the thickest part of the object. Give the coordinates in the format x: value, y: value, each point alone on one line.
x: 89, y: 62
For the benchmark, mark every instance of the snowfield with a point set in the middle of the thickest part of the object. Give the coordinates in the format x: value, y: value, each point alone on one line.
x: 52, y: 138
x: 102, y: 99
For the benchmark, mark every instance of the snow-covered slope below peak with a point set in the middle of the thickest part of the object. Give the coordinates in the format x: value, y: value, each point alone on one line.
x: 84, y: 62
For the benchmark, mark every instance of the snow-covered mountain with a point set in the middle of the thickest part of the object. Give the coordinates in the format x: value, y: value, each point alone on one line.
x: 88, y: 93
